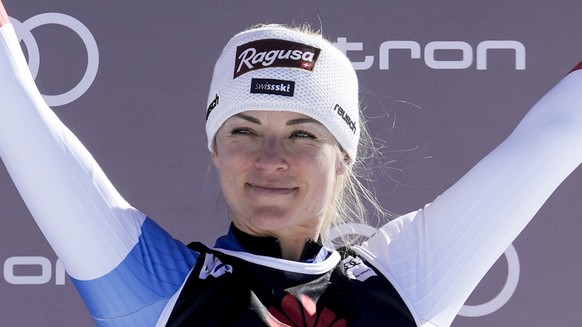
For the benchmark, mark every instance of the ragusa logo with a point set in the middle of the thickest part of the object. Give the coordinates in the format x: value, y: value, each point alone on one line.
x: 270, y: 53
x: 470, y: 56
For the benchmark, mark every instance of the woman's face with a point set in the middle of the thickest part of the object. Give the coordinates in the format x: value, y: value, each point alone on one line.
x: 277, y: 171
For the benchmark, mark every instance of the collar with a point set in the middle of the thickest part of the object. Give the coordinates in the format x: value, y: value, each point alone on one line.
x: 267, y: 246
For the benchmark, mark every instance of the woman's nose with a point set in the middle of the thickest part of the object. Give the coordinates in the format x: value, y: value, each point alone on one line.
x: 271, y: 157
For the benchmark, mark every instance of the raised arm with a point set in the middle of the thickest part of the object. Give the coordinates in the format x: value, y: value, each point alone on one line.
x: 438, y: 255
x: 63, y: 187
x: 124, y: 265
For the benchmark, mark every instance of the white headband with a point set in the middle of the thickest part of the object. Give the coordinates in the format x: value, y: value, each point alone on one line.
x: 278, y: 69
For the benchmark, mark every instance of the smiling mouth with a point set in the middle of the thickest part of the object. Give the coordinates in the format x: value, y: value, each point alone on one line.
x: 271, y: 190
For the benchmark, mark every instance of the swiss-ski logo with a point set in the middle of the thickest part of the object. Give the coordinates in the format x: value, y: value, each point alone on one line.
x: 273, y: 86
x: 269, y: 53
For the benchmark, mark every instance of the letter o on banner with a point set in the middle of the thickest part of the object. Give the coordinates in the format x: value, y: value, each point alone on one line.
x: 465, y: 62
x: 43, y: 278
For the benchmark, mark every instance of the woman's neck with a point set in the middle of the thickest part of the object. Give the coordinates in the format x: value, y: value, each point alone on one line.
x: 289, y: 248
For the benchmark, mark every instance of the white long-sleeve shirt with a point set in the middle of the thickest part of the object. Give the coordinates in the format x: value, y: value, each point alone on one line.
x: 128, y: 269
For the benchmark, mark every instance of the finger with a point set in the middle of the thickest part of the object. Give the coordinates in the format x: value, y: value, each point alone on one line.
x: 3, y: 15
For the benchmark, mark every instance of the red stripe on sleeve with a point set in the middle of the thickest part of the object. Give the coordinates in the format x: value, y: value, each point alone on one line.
x: 3, y: 15
x: 579, y: 66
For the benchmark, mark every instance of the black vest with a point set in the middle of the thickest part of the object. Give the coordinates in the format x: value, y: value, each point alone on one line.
x: 235, y: 292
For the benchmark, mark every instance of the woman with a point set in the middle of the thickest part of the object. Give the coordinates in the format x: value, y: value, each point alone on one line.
x: 283, y: 131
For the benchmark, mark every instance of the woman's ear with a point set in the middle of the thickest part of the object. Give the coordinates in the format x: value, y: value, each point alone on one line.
x: 214, y: 154
x: 343, y: 163
x: 214, y: 157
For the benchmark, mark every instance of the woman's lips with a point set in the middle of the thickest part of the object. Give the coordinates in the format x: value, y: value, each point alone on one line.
x: 270, y: 189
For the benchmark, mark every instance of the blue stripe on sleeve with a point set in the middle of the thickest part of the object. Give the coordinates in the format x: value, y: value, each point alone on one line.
x: 142, y: 284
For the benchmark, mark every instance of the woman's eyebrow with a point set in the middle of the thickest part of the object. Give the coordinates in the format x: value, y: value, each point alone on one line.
x: 302, y: 121
x: 248, y: 118
x: 295, y: 121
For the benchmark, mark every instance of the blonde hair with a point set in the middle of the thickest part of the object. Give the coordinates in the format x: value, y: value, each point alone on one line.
x: 352, y: 202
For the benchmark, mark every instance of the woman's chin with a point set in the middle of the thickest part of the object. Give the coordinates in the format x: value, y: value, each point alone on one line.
x: 268, y: 221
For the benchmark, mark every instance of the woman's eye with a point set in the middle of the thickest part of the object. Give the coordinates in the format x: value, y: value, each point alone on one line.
x: 302, y: 134
x: 241, y: 131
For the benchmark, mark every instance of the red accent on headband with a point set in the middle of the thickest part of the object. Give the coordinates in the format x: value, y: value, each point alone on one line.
x: 579, y: 66
x: 3, y: 15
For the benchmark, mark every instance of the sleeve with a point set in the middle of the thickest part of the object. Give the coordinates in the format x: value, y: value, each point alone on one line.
x: 436, y: 256
x: 122, y: 263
